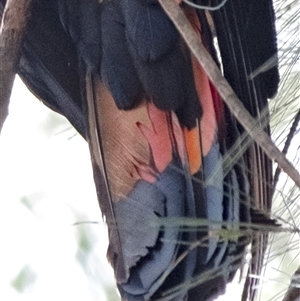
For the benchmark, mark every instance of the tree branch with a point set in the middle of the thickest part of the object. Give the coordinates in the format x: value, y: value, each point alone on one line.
x: 293, y: 292
x: 236, y: 107
x: 287, y: 145
x: 12, y: 28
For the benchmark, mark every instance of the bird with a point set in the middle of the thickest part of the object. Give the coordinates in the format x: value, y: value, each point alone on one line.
x: 178, y: 182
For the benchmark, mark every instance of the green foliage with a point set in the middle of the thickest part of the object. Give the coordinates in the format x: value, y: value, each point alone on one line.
x: 25, y: 278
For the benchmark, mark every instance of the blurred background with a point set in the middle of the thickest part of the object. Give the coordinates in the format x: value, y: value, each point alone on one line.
x: 47, y: 189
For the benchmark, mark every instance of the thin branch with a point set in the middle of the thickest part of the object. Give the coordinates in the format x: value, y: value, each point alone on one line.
x: 293, y: 292
x: 288, y: 142
x: 226, y: 92
x: 11, y: 34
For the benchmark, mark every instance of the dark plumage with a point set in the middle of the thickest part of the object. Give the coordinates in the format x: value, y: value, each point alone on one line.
x: 158, y: 132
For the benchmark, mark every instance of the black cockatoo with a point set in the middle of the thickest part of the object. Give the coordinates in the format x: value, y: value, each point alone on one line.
x: 159, y: 133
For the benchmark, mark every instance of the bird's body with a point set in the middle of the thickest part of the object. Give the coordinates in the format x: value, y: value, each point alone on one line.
x: 158, y: 132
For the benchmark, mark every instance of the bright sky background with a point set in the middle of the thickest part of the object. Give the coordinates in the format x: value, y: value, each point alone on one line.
x: 51, y: 173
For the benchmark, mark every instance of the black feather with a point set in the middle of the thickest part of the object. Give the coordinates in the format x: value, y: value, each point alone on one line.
x: 49, y: 64
x: 81, y: 20
x: 117, y: 68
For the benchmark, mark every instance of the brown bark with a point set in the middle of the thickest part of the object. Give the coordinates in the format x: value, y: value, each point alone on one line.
x: 12, y: 28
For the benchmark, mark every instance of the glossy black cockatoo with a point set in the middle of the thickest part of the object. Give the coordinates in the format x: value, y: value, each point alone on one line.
x: 173, y: 170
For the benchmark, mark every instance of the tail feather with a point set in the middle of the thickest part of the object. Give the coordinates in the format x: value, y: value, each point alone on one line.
x: 159, y: 135
x: 241, y: 55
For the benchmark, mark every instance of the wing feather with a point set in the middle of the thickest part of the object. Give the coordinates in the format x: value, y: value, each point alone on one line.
x: 158, y: 133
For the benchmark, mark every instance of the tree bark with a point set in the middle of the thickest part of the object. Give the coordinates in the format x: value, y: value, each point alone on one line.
x: 12, y: 29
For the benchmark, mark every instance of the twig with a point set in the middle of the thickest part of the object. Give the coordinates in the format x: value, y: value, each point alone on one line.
x: 226, y: 92
x: 293, y: 292
x: 288, y: 141
x: 11, y: 33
